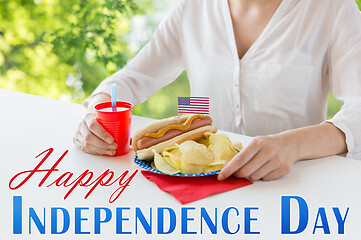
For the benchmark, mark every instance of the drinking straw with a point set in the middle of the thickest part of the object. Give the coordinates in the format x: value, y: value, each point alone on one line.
x: 114, y: 97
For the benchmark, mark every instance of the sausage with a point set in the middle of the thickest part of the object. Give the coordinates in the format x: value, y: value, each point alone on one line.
x: 146, y: 142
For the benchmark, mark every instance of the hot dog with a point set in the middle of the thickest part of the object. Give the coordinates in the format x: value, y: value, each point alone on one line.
x: 168, y: 132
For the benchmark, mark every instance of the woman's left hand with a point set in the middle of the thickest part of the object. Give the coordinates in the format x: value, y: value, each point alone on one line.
x: 266, y: 158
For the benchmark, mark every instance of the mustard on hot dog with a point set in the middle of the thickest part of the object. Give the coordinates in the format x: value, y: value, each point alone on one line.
x: 181, y: 127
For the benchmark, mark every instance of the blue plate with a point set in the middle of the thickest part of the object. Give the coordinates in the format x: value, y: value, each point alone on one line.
x: 147, y: 166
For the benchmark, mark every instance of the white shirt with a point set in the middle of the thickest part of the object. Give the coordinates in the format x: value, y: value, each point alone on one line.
x: 307, y: 49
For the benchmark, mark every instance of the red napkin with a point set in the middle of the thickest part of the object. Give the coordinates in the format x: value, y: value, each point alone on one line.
x: 190, y: 189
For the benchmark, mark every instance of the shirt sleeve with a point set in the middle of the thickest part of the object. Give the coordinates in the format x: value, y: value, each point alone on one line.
x: 156, y: 65
x: 345, y: 74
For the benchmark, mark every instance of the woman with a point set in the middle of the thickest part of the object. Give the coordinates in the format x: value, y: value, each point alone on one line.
x: 267, y: 66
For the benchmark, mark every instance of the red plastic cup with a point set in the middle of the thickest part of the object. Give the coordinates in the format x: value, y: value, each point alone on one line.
x: 116, y: 123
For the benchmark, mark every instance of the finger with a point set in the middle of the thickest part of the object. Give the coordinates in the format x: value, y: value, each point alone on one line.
x: 275, y: 174
x: 98, y: 151
x: 94, y: 126
x: 77, y: 143
x: 268, y: 167
x: 90, y: 138
x: 91, y: 149
x: 238, y: 161
x: 87, y: 147
x: 95, y: 152
x: 252, y: 165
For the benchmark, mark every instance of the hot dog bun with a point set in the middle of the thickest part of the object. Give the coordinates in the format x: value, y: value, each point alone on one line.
x: 147, y: 154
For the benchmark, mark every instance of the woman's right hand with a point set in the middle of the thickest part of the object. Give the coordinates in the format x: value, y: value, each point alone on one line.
x: 90, y: 136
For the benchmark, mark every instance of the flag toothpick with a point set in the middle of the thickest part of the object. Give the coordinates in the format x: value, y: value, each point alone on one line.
x: 193, y: 105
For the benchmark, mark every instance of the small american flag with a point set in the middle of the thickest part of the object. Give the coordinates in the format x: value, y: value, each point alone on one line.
x: 194, y: 105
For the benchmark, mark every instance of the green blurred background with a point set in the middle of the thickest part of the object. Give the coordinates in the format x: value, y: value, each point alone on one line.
x: 63, y: 49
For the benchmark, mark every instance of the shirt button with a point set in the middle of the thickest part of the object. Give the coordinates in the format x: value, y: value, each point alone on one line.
x: 236, y: 84
x: 236, y: 105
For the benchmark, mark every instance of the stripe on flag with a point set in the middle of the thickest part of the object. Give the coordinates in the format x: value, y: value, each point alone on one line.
x: 193, y: 105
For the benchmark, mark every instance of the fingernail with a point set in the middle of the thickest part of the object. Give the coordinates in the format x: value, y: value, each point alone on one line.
x: 109, y: 152
x: 220, y: 177
x: 113, y: 146
x: 109, y: 140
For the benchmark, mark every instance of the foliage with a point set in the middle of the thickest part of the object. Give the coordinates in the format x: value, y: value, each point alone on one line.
x: 58, y: 48
x: 63, y: 48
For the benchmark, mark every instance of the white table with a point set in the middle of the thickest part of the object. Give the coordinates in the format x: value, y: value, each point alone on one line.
x: 31, y: 124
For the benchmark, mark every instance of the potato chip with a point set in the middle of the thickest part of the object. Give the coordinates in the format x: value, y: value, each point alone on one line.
x: 223, y: 151
x: 174, y: 157
x: 168, y: 149
x: 162, y: 165
x: 153, y: 166
x: 191, y: 168
x: 195, y: 153
x: 204, y: 141
x: 213, y: 168
x: 213, y: 138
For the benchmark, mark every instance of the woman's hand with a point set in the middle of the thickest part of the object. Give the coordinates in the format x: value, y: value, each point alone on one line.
x: 92, y: 138
x: 271, y: 157
x: 267, y: 158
